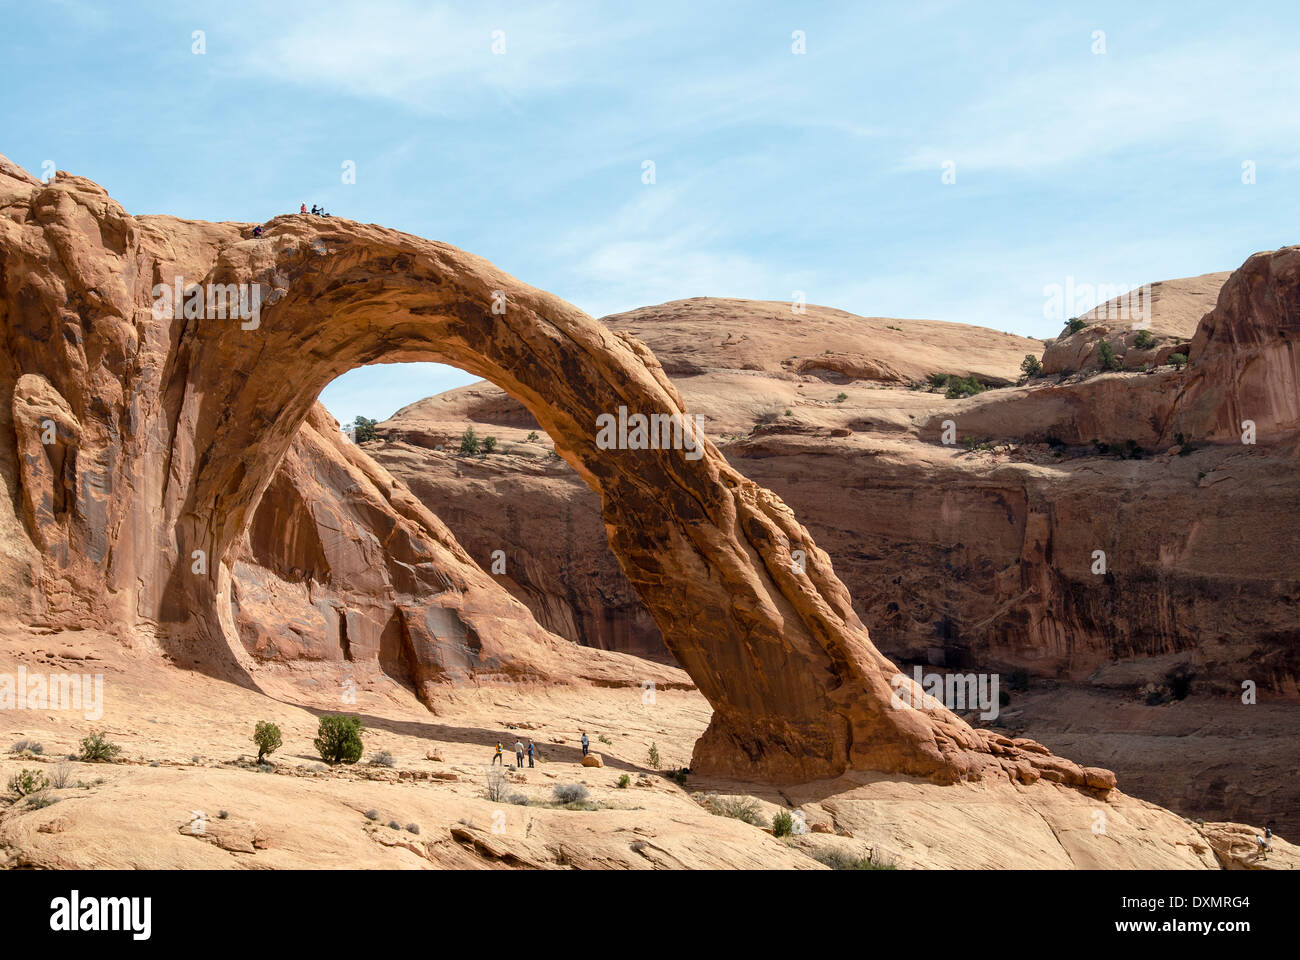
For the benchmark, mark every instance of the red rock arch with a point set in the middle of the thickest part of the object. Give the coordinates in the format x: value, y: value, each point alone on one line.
x: 193, y: 417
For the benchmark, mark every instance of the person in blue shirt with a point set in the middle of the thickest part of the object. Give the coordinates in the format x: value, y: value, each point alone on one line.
x: 585, y: 743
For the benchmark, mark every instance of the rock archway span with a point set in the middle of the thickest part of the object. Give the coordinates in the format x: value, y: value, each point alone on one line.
x: 798, y: 690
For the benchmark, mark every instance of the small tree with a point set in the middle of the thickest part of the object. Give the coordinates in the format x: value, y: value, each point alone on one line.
x: 654, y: 756
x: 26, y: 782
x: 97, y: 748
x: 364, y: 429
x: 782, y: 824
x: 1031, y: 365
x: 267, y: 737
x: 338, y: 739
x: 532, y: 437
x: 488, y: 444
x: 469, y: 442
x: 1075, y: 325
x: 1144, y: 340
x: 1178, y: 359
x: 1106, y: 358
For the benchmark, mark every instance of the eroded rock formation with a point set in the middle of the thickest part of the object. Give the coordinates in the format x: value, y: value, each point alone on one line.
x: 172, y: 427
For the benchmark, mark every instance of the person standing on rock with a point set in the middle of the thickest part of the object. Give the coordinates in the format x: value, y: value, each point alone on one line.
x: 497, y: 757
x: 519, y: 754
x: 531, y: 750
x: 586, y: 744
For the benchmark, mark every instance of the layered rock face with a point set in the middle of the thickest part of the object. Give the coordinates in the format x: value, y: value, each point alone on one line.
x: 987, y: 558
x: 147, y: 439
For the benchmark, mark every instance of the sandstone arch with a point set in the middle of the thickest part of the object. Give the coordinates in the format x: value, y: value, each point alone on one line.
x: 182, y: 423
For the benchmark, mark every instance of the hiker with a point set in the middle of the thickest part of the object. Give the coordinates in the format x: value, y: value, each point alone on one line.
x: 1265, y: 842
x: 530, y: 753
x: 519, y: 754
x: 316, y: 211
x: 257, y: 232
x: 496, y: 757
x: 586, y: 744
x: 302, y: 208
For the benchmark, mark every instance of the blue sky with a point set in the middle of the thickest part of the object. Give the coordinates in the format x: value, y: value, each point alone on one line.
x: 775, y: 172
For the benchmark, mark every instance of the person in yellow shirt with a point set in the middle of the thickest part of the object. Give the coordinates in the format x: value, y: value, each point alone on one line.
x: 496, y: 757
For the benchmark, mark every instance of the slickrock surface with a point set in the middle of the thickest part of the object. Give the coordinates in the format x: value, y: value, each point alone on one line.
x: 205, y: 804
x: 169, y: 429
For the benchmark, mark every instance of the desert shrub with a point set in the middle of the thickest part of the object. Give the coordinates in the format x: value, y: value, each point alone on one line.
x: 1144, y: 340
x: 97, y: 748
x: 518, y: 799
x: 338, y: 738
x: 839, y: 860
x: 469, y: 442
x: 959, y: 387
x: 1075, y: 325
x: 267, y: 737
x: 1031, y: 365
x: 372, y: 814
x: 364, y: 429
x: 532, y: 437
x: 744, y: 809
x: 766, y: 417
x: 653, y: 753
x: 394, y: 825
x: 604, y: 739
x: 1178, y: 359
x: 26, y: 782
x: 841, y: 397
x: 1106, y: 358
x: 496, y: 784
x: 488, y: 444
x: 413, y: 828
x: 61, y: 776
x: 265, y: 768
x: 624, y: 781
x: 569, y: 793
x: 782, y: 824
x: 223, y: 814
x: 680, y: 776
x: 381, y: 758
x: 27, y: 746
x: 40, y: 800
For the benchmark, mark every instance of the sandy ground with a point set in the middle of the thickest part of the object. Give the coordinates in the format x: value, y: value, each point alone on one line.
x: 185, y: 792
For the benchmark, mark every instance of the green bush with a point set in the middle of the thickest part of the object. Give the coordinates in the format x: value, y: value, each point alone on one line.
x: 1106, y: 358
x: 488, y: 444
x: 841, y: 397
x: 959, y: 387
x: 27, y: 746
x: 338, y: 739
x: 1144, y: 340
x: 624, y: 781
x: 26, y: 782
x: 782, y: 824
x: 1031, y: 365
x: 1178, y: 359
x: 1075, y: 325
x: 96, y: 748
x: 469, y: 442
x: 364, y: 429
x: 267, y: 737
x: 653, y: 753
x: 532, y: 437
